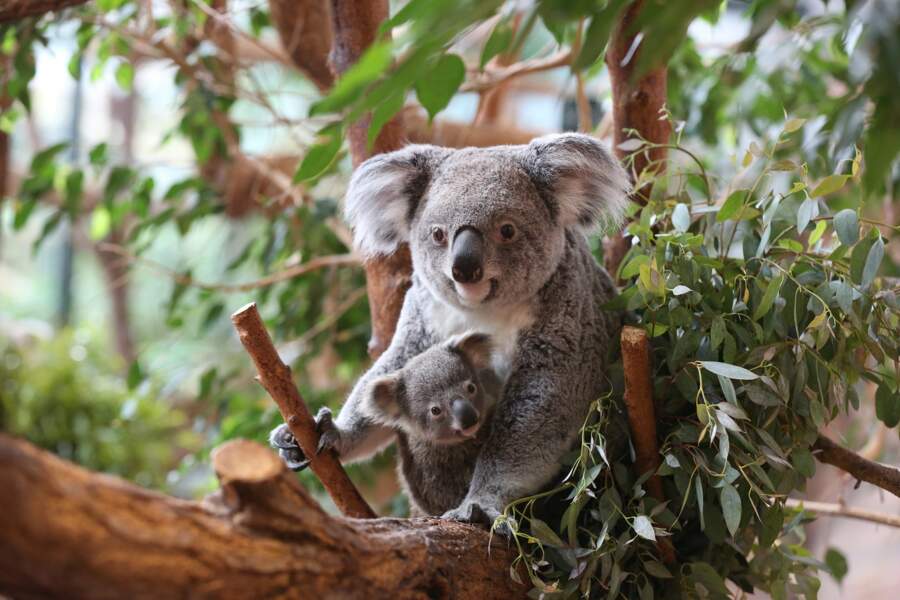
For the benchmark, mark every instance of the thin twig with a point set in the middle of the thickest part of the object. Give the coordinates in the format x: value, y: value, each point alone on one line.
x: 493, y: 78
x: 275, y: 376
x: 319, y: 262
x: 839, y: 510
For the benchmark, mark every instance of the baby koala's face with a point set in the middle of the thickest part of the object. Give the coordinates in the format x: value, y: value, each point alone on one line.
x: 439, y: 394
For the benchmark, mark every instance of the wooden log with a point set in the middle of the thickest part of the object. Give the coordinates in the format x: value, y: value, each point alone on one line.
x: 68, y: 533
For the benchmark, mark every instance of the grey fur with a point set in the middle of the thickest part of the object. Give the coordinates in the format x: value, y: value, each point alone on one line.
x: 436, y: 461
x: 539, y: 299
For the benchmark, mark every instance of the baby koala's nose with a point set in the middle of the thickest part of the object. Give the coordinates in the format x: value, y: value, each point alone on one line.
x: 464, y: 414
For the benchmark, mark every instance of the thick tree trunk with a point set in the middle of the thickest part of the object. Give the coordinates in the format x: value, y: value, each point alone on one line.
x: 69, y: 533
x: 636, y: 105
x: 355, y: 25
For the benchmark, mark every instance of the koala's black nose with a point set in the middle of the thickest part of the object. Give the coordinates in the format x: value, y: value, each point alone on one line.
x: 464, y: 414
x: 467, y: 250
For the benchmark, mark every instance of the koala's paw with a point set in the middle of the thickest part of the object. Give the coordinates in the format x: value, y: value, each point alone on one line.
x: 481, y: 513
x: 329, y: 436
x: 283, y: 440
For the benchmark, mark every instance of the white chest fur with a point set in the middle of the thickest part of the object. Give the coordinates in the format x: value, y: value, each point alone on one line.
x: 503, y: 324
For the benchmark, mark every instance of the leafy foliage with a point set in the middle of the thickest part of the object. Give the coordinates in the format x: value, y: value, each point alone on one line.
x: 64, y: 395
x: 762, y: 324
x: 755, y: 265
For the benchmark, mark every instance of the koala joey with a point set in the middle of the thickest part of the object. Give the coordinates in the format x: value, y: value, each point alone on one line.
x: 498, y: 245
x: 440, y: 405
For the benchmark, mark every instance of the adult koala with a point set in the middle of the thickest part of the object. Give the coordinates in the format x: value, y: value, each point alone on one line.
x: 498, y: 245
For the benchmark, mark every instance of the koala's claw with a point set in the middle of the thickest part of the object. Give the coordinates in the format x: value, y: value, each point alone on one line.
x: 479, y: 513
x: 283, y: 440
x: 328, y: 432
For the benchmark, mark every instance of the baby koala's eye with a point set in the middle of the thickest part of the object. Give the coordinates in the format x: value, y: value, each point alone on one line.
x: 436, y: 411
x: 470, y: 388
x: 507, y: 232
x: 437, y: 234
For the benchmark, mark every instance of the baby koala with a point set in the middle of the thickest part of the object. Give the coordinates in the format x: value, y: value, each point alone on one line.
x: 440, y: 403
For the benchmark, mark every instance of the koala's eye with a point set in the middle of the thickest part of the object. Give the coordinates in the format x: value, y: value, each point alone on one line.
x: 436, y: 411
x: 507, y: 232
x: 437, y: 234
x: 470, y: 388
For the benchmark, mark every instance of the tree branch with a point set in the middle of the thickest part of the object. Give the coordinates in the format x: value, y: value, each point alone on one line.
x: 355, y: 25
x: 68, y: 533
x: 636, y: 107
x: 642, y: 415
x: 13, y: 10
x: 839, y: 510
x: 319, y: 262
x: 454, y: 134
x: 304, y: 27
x: 883, y: 476
x: 491, y: 78
x: 275, y: 376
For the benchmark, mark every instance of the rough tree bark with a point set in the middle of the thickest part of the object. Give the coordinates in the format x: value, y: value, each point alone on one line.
x: 13, y: 10
x: 68, y: 533
x: 355, y: 25
x: 636, y: 105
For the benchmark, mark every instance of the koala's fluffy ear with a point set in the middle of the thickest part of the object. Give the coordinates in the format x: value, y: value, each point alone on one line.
x: 383, y: 196
x: 583, y: 185
x: 381, y: 403
x: 476, y: 347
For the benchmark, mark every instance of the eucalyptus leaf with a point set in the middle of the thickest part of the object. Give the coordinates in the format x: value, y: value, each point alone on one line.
x: 437, y: 86
x: 873, y: 262
x: 837, y: 564
x: 731, y: 507
x: 768, y: 299
x: 318, y: 158
x: 681, y: 217
x: 887, y: 405
x: 829, y: 185
x: 846, y: 224
x: 808, y: 210
x: 644, y: 527
x: 545, y: 534
x: 728, y: 370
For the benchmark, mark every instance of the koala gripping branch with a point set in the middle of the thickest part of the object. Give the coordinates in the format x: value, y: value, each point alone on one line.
x: 68, y: 533
x: 275, y: 376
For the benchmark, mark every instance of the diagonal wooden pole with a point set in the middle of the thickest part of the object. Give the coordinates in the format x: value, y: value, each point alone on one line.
x: 275, y: 377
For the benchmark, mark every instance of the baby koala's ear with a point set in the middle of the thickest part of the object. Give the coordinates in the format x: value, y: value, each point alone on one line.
x: 381, y: 402
x: 476, y: 347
